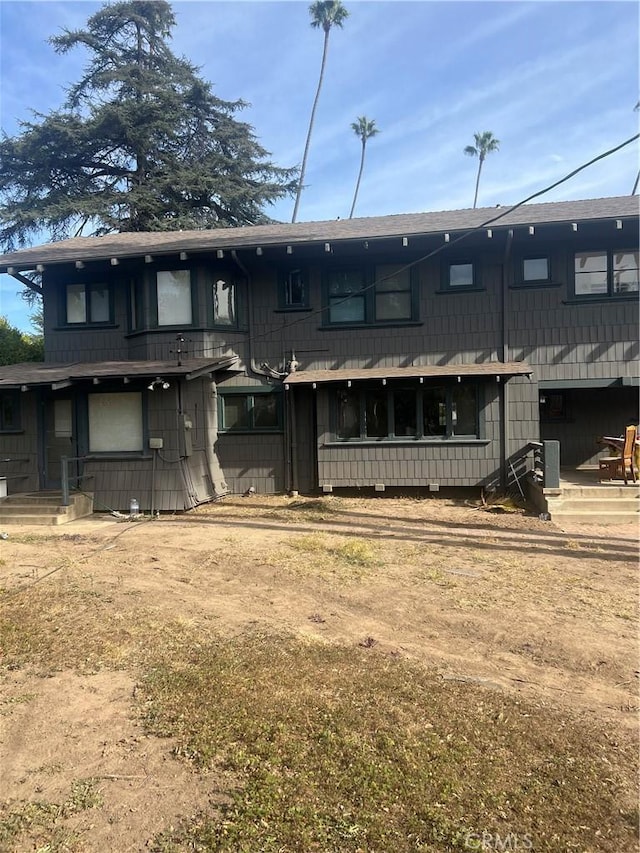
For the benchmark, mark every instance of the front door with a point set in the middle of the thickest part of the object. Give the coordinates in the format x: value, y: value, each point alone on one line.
x: 60, y: 439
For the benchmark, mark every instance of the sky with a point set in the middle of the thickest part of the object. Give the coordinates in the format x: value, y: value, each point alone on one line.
x: 555, y: 82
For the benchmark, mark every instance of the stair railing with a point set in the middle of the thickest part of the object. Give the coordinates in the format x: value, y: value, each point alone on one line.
x: 66, y: 479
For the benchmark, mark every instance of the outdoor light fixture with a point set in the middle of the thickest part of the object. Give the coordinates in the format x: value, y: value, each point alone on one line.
x: 160, y: 383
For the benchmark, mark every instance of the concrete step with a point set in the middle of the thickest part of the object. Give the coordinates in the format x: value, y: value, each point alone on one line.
x: 36, y: 520
x: 579, y: 504
x: 599, y: 518
x: 604, y: 492
x: 16, y: 508
x: 43, y: 509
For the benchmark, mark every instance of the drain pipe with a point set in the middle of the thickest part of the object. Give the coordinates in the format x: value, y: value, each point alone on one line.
x: 287, y: 443
x: 504, y: 395
x: 254, y: 368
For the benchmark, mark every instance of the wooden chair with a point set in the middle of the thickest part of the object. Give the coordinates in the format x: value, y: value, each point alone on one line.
x: 616, y: 467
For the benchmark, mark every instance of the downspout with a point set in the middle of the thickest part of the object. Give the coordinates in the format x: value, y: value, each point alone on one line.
x: 253, y: 367
x: 505, y: 431
x: 259, y: 371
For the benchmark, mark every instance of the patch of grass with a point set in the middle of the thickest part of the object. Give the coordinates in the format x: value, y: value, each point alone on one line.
x: 342, y: 750
x: 43, y: 822
x: 327, y: 555
x: 7, y: 705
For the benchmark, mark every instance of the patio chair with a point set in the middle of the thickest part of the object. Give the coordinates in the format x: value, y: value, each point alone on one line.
x: 617, y: 467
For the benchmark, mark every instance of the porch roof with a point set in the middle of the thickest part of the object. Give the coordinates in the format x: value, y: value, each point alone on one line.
x: 36, y: 374
x: 487, y: 370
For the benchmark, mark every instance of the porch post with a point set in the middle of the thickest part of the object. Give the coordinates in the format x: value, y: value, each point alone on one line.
x: 551, y: 456
x: 64, y: 476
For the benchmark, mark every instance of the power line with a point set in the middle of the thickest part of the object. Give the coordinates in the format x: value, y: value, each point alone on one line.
x: 319, y: 311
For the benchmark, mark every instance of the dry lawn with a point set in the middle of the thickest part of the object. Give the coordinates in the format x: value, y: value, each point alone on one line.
x: 335, y: 674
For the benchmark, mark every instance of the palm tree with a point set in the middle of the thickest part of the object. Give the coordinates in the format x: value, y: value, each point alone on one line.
x: 325, y: 14
x: 485, y: 144
x: 364, y: 129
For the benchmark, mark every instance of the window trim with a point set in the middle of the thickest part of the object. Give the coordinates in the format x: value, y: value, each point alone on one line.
x: 283, y: 276
x: 83, y: 427
x: 249, y: 395
x: 519, y: 279
x: 419, y: 437
x: 609, y: 294
x: 87, y: 322
x: 445, y: 275
x: 153, y: 301
x: 369, y: 293
x: 241, y: 285
x: 16, y: 402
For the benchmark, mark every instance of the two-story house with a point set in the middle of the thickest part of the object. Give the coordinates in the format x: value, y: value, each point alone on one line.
x: 419, y: 350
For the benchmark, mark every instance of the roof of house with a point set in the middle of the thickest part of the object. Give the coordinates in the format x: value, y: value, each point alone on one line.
x: 488, y: 368
x: 135, y: 244
x: 30, y: 374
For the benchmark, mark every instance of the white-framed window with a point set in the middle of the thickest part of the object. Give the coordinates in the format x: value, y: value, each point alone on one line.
x: 115, y: 422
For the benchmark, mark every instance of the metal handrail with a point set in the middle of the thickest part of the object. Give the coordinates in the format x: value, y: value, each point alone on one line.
x: 66, y: 479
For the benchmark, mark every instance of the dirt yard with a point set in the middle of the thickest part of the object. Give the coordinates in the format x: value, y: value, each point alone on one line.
x: 497, y: 599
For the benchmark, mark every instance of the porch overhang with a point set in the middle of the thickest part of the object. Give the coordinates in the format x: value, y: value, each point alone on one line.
x: 487, y: 370
x: 29, y: 375
x: 586, y: 384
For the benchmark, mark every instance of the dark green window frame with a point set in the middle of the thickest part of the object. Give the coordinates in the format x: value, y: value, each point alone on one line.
x: 455, y: 268
x: 235, y: 316
x: 259, y: 411
x: 365, y: 290
x: 604, y: 265
x: 90, y: 304
x: 10, y: 411
x: 527, y: 276
x: 154, y: 304
x: 293, y: 289
x: 375, y: 413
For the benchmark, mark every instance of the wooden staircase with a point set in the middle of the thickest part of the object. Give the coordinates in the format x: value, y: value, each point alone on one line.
x: 43, y: 508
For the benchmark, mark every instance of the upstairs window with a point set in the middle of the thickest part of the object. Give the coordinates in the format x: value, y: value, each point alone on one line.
x: 294, y: 290
x: 228, y: 294
x: 460, y: 275
x: 393, y: 300
x: 535, y: 270
x: 606, y: 273
x: 385, y: 294
x: 174, y: 298
x: 346, y: 296
x: 87, y: 304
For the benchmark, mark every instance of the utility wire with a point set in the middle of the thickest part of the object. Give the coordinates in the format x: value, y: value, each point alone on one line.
x: 319, y: 311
